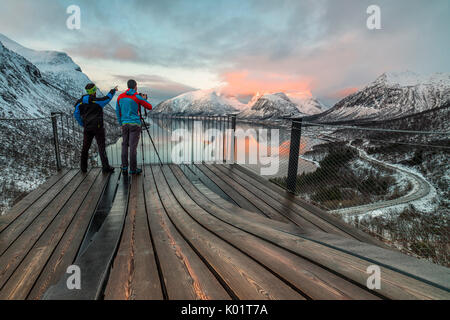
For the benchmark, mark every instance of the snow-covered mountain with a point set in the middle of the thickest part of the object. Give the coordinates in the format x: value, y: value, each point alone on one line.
x: 33, y: 84
x: 270, y: 107
x: 260, y: 107
x: 56, y: 67
x: 62, y: 78
x: 392, y: 95
x: 200, y: 102
x: 24, y: 91
x: 308, y: 105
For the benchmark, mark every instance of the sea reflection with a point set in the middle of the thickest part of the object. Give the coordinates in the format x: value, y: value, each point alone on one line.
x: 199, y: 146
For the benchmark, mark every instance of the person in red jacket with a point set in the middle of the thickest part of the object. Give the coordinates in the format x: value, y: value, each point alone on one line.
x: 128, y: 114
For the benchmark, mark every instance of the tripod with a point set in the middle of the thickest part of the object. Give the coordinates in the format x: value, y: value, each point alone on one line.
x: 144, y: 124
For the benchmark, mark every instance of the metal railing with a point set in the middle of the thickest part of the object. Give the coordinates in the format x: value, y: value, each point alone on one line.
x: 26, y: 156
x: 68, y: 140
x: 182, y: 139
x: 31, y: 149
x: 391, y: 179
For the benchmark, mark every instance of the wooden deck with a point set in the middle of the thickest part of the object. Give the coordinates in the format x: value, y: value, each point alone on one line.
x: 193, y: 232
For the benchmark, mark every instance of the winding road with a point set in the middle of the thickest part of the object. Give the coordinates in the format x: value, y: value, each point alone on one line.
x: 420, y: 189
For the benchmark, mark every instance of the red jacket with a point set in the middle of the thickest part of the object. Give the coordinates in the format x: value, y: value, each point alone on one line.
x: 128, y: 106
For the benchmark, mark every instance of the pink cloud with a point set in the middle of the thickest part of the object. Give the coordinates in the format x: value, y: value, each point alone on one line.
x: 343, y: 93
x: 249, y: 83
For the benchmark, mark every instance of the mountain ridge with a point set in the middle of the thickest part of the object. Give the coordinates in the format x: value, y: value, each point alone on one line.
x: 213, y: 102
x: 199, y: 102
x: 26, y: 91
x: 392, y: 95
x: 57, y: 67
x: 271, y: 107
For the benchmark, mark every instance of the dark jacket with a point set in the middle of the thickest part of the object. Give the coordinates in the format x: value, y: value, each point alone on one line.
x: 89, y: 110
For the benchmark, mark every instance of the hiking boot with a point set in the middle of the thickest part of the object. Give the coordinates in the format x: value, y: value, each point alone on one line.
x: 108, y: 170
x: 138, y: 171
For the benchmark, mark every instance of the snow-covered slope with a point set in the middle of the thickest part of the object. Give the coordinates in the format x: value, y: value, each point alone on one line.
x: 23, y: 89
x: 308, y: 105
x: 393, y: 95
x: 260, y: 107
x: 270, y: 106
x: 200, y: 102
x: 57, y: 67
x: 29, y: 91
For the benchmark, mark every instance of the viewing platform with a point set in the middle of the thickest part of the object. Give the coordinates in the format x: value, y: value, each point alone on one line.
x: 194, y: 232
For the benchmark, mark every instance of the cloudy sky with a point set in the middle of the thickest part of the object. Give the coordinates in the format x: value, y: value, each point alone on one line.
x: 303, y: 47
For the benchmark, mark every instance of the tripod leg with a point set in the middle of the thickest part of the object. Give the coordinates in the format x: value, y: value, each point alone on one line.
x: 151, y: 139
x: 143, y: 154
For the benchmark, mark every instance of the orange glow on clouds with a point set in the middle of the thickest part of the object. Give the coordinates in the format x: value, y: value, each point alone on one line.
x: 244, y: 83
x: 344, y: 92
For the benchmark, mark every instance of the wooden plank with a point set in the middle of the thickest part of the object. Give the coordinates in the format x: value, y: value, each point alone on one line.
x: 185, y: 275
x: 36, y: 253
x: 259, y: 181
x: 232, y: 193
x: 229, y: 207
x: 287, y: 208
x: 262, y: 205
x: 104, y: 209
x: 96, y: 259
x: 243, y: 276
x: 314, y: 281
x: 194, y: 174
x: 394, y: 285
x: 15, y: 249
x: 67, y: 248
x: 31, y: 198
x: 14, y: 229
x: 134, y: 274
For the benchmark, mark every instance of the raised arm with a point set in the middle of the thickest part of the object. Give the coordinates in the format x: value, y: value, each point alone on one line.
x: 143, y: 102
x: 102, y: 102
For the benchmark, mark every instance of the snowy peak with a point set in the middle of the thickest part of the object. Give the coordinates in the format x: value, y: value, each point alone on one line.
x: 392, y: 95
x: 254, y: 99
x: 304, y: 102
x: 15, y: 68
x: 38, y: 82
x: 309, y: 106
x: 24, y: 90
x: 57, y: 67
x: 200, y: 102
x: 274, y: 99
x: 411, y: 79
x: 44, y: 60
x: 270, y: 107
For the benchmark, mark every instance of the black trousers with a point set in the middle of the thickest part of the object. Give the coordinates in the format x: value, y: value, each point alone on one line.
x: 88, y: 136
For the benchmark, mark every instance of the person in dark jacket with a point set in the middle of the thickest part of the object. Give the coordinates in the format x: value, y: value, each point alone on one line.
x: 89, y: 114
x: 128, y: 114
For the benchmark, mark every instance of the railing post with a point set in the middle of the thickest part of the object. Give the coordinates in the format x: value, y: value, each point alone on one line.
x: 56, y: 140
x: 224, y: 137
x: 233, y: 138
x: 192, y: 139
x: 294, y: 153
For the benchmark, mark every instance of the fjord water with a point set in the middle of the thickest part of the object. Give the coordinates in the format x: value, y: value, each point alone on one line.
x: 193, y: 142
